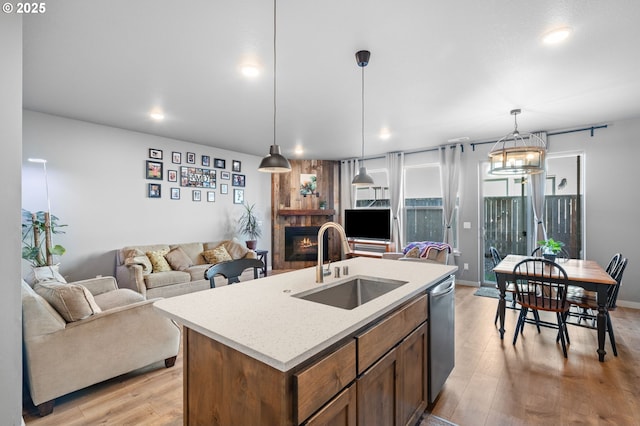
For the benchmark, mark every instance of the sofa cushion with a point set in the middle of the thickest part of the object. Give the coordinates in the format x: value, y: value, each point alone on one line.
x: 158, y: 261
x: 193, y: 250
x: 161, y: 279
x: 197, y: 271
x: 117, y: 298
x: 72, y: 301
x: 217, y: 255
x: 235, y: 249
x: 178, y: 259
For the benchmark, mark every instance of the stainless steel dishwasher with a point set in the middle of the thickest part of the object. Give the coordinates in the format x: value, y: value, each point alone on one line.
x: 441, y: 334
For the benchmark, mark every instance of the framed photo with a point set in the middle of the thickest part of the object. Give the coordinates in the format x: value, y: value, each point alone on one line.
x: 196, y: 195
x: 154, y: 170
x: 211, y: 196
x: 225, y: 175
x: 172, y: 175
x: 219, y: 163
x: 175, y: 193
x: 238, y: 180
x: 206, y: 161
x: 224, y: 188
x: 238, y: 196
x: 236, y: 166
x: 156, y: 154
x: 176, y: 157
x: 191, y: 157
x: 153, y: 190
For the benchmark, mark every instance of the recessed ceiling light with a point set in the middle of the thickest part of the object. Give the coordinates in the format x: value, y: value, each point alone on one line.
x: 385, y: 133
x: 556, y: 36
x: 156, y: 115
x: 299, y: 150
x: 250, y: 71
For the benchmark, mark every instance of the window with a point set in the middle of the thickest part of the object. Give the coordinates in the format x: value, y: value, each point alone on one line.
x: 424, y: 214
x: 376, y: 195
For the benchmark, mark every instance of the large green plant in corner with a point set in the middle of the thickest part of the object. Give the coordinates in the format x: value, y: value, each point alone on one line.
x: 37, y: 246
x: 249, y: 225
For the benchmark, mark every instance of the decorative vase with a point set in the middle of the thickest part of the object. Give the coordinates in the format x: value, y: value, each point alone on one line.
x: 251, y: 244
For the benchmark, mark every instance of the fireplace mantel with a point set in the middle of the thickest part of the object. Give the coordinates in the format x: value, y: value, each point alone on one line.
x: 306, y: 212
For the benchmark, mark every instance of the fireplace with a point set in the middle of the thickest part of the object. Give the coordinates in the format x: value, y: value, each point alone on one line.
x: 301, y: 243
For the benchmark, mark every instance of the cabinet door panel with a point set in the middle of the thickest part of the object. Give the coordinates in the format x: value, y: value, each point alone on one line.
x: 412, y: 354
x: 377, y: 391
x: 341, y: 411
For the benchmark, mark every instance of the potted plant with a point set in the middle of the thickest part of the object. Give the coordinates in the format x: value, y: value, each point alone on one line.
x: 36, y: 250
x: 322, y: 204
x: 248, y: 225
x: 550, y: 248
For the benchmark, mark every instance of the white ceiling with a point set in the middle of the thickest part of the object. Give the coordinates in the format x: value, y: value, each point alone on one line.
x: 439, y: 70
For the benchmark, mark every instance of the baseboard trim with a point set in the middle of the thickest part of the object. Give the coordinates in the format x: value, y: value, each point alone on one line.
x: 468, y: 283
x: 628, y: 304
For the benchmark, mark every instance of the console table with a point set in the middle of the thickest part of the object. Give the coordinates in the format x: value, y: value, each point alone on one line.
x: 263, y: 255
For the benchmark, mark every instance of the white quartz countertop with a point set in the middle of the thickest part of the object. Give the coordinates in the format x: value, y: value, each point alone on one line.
x: 262, y: 319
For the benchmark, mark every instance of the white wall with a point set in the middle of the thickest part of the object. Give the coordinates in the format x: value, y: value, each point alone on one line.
x: 97, y: 187
x: 11, y: 137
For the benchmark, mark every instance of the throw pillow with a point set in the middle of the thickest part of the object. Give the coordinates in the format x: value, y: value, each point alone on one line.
x: 45, y: 273
x: 137, y: 257
x: 72, y: 301
x: 217, y: 255
x: 158, y: 261
x: 235, y: 249
x: 178, y: 259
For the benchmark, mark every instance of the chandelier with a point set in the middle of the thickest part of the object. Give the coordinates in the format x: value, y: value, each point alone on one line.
x: 516, y: 153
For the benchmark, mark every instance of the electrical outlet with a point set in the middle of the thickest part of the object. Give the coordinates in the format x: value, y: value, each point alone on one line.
x: 466, y: 266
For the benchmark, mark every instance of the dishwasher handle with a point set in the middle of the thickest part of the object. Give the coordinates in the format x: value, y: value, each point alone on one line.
x: 443, y: 288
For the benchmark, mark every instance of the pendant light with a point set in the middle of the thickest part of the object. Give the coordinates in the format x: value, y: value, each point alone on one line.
x: 362, y: 178
x: 516, y: 153
x: 275, y: 162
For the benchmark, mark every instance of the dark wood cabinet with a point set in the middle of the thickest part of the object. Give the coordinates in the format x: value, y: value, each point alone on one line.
x: 341, y: 411
x: 378, y: 391
x: 413, y: 376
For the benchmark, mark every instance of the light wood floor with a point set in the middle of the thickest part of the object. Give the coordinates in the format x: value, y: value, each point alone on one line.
x: 493, y: 383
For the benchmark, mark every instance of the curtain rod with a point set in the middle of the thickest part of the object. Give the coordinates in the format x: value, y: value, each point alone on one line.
x: 561, y: 132
x: 416, y: 151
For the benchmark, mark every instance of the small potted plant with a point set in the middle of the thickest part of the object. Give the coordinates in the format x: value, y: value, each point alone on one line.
x: 248, y: 225
x: 550, y: 248
x: 322, y: 204
x: 37, y: 250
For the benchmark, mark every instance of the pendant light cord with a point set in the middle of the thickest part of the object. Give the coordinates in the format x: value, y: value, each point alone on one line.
x: 362, y: 158
x: 274, y: 72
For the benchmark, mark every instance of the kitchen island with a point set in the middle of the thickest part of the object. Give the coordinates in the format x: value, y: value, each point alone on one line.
x: 256, y: 354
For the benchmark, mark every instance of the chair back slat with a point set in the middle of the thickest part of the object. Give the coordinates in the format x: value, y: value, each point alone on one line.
x: 613, y: 263
x: 541, y: 284
x: 616, y: 274
x: 495, y: 256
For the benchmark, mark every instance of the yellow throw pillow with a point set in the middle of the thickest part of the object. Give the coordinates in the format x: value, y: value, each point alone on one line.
x: 217, y: 255
x: 158, y: 261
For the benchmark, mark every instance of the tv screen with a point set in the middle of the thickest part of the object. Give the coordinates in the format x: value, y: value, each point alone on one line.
x: 371, y: 224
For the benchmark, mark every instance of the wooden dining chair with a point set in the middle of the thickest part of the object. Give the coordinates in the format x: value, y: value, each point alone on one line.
x: 586, y: 304
x: 541, y: 285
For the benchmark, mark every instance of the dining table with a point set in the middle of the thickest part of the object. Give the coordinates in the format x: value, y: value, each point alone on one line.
x: 587, y: 274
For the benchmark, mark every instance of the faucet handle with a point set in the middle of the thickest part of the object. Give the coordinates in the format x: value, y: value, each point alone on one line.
x: 328, y: 270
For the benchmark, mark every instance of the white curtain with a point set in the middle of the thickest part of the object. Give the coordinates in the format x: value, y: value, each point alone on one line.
x: 537, y: 184
x: 449, y: 182
x: 348, y: 169
x: 395, y: 166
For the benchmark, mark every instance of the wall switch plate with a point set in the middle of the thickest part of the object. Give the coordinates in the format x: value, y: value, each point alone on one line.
x: 466, y: 225
x: 466, y: 266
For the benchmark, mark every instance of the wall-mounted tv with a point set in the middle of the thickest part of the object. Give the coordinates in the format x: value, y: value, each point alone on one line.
x: 370, y: 224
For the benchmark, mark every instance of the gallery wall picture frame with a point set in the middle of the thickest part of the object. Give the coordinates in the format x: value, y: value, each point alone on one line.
x: 211, y: 196
x: 154, y: 190
x: 225, y: 175
x: 172, y: 175
x: 219, y: 163
x: 236, y: 166
x: 175, y: 193
x: 191, y: 157
x: 238, y: 180
x: 197, y: 177
x: 156, y: 154
x: 224, y: 188
x: 154, y: 170
x: 176, y: 157
x: 196, y: 195
x: 206, y: 161
x: 238, y: 196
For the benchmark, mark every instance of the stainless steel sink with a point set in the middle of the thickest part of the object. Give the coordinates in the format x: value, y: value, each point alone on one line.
x: 351, y: 293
